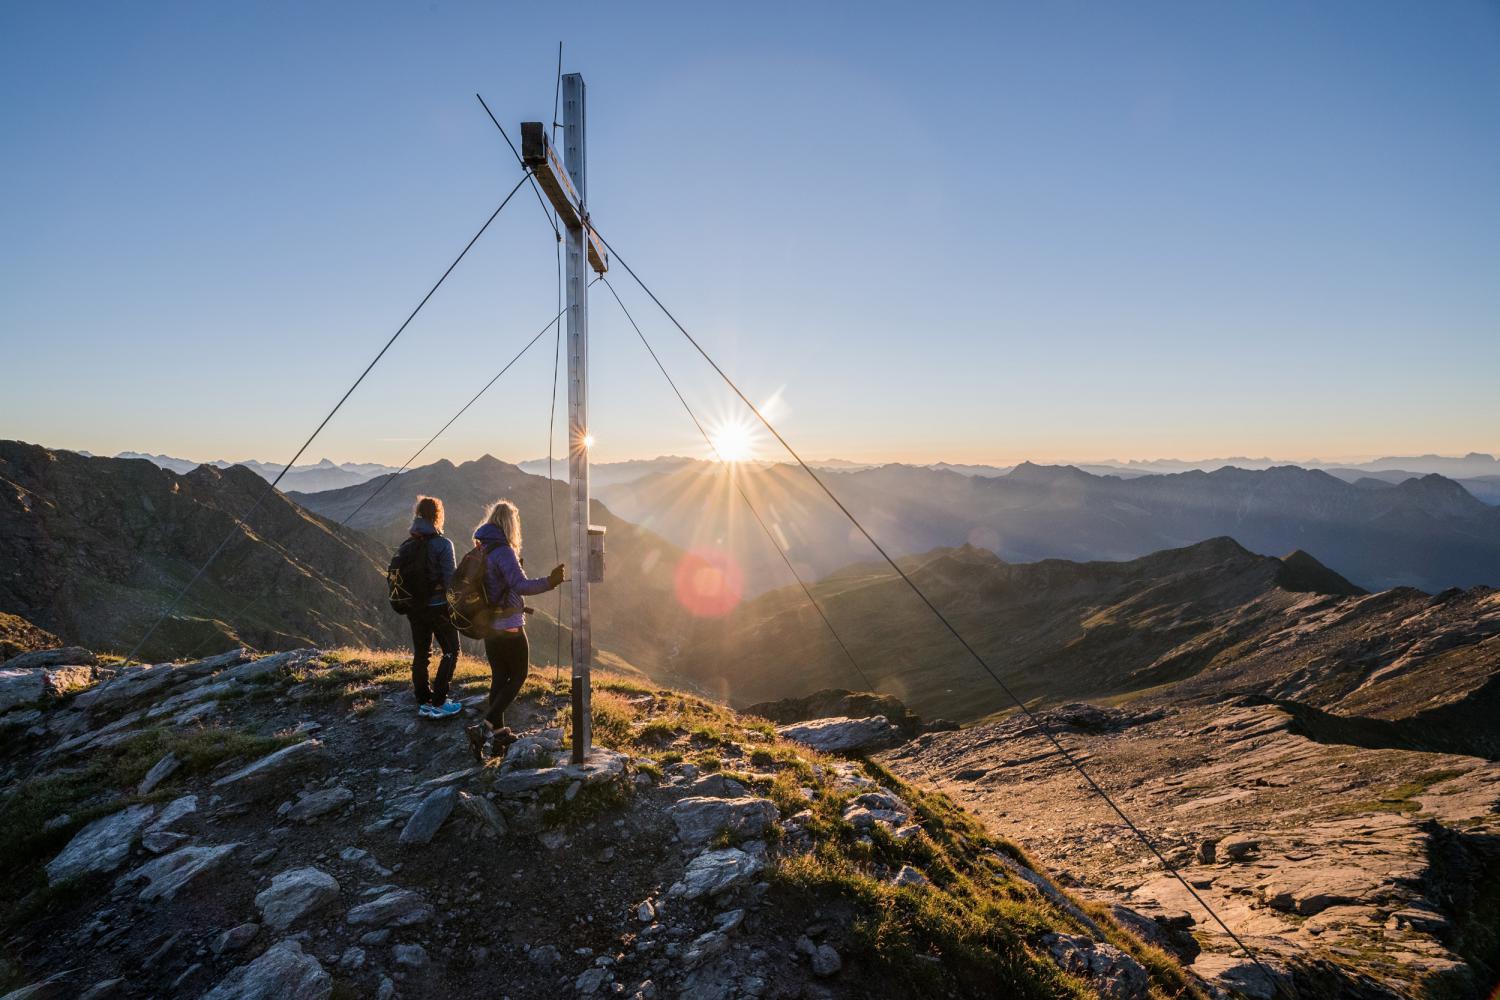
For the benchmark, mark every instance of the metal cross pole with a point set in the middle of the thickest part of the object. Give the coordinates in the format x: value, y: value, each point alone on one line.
x: 565, y: 182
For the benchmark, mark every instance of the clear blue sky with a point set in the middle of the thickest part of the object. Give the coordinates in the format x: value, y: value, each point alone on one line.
x: 966, y: 232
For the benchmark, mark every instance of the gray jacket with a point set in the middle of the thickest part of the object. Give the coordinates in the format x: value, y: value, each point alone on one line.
x: 440, y: 561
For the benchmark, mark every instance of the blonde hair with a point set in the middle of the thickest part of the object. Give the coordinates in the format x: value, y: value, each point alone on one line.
x: 504, y: 515
x: 430, y: 509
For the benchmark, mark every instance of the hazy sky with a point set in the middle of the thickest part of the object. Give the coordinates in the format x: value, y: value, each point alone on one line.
x: 977, y: 232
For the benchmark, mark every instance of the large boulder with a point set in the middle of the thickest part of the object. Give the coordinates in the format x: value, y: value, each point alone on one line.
x: 21, y: 687
x: 294, y: 894
x: 282, y: 972
x: 314, y: 804
x: 839, y: 702
x: 844, y: 735
x: 102, y: 846
x: 701, y: 819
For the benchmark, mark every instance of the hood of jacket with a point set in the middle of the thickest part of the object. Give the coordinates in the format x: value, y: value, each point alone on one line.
x: 422, y: 526
x: 490, y: 533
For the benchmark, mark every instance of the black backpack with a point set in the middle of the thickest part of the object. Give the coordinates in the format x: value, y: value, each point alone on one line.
x: 408, y: 580
x: 468, y: 598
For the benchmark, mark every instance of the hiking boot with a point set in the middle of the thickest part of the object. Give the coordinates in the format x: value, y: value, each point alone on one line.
x: 476, y: 734
x: 446, y: 710
x: 504, y: 737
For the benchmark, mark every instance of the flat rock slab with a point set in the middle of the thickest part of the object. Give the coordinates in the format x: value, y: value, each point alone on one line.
x: 714, y: 872
x: 430, y: 816
x: 175, y: 810
x: 294, y: 894
x: 169, y: 873
x: 160, y: 771
x: 309, y: 807
x: 102, y: 846
x: 700, y: 819
x: 396, y: 908
x: 282, y: 972
x: 288, y: 760
x: 603, y: 765
x: 21, y: 687
x: 841, y: 735
x: 269, y: 666
x: 65, y: 656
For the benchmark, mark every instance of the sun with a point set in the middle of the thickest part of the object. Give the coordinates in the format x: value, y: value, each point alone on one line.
x: 733, y: 441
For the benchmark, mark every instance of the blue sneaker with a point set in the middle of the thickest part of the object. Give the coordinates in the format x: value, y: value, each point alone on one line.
x: 426, y: 711
x: 446, y: 710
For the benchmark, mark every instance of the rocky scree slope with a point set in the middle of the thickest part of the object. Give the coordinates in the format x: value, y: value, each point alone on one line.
x: 284, y: 826
x: 1352, y: 869
x: 96, y: 547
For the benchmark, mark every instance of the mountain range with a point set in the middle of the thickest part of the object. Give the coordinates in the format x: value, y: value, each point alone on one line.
x: 95, y: 548
x: 1211, y: 619
x: 1427, y: 532
x: 322, y: 475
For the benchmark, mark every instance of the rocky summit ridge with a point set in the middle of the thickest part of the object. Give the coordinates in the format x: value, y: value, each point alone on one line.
x: 284, y: 826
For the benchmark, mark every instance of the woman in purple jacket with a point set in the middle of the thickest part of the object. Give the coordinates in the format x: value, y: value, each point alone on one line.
x: 507, y: 649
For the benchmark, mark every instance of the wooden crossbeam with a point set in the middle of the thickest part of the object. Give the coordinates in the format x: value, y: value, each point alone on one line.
x: 538, y: 153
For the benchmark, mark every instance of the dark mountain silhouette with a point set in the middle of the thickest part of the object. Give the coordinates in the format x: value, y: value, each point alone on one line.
x: 1427, y: 532
x: 94, y: 548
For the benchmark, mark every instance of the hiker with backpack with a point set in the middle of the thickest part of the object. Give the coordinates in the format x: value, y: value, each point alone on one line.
x: 500, y: 620
x: 419, y: 576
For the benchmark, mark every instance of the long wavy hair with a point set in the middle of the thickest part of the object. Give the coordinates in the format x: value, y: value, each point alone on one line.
x: 504, y: 515
x: 430, y: 509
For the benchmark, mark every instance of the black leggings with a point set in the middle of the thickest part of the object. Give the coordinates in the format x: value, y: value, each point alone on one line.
x: 509, y: 654
x: 428, y: 624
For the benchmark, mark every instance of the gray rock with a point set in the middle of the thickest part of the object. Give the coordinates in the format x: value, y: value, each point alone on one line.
x: 485, y: 812
x: 714, y: 872
x: 40, y: 658
x: 315, y: 804
x: 162, y: 841
x: 268, y: 666
x: 430, y: 816
x: 589, y: 981
x: 826, y: 961
x: 386, y: 990
x: 294, y: 894
x: 21, y: 687
x: 375, y: 938
x: 1113, y: 974
x: 282, y: 972
x: 165, y: 876
x: 101, y: 846
x: 235, y: 938
x: 910, y: 876
x: 396, y: 908
x: 352, y: 958
x: 103, y: 989
x: 1244, y: 976
x: 413, y: 956
x: 263, y: 772
x: 159, y: 772
x: 717, y: 786
x: 47, y: 989
x: 700, y: 820
x: 842, y: 735
x: 545, y: 956
x: 451, y: 778
x: 132, y: 682
x: 175, y: 810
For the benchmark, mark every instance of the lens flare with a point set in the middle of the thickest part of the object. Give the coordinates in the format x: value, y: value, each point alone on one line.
x: 733, y: 441
x: 708, y: 583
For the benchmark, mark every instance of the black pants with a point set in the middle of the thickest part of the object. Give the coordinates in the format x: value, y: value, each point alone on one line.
x: 426, y: 625
x: 509, y: 654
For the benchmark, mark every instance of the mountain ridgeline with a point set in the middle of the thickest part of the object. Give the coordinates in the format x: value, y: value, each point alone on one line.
x: 1427, y: 532
x: 96, y: 548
